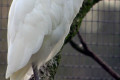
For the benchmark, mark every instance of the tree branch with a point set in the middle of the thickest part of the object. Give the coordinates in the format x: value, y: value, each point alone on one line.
x: 86, y: 51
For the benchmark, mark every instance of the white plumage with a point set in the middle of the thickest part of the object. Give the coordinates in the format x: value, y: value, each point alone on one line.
x: 36, y: 32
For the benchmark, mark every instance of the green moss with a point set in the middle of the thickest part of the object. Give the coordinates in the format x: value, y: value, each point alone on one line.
x: 87, y: 5
x: 54, y: 67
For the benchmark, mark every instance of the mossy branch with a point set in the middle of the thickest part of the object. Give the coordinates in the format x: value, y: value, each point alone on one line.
x: 87, y: 5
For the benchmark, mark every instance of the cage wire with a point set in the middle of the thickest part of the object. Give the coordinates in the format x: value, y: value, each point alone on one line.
x: 100, y: 29
x: 3, y: 45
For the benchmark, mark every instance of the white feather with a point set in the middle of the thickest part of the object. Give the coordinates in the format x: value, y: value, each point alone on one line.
x: 37, y: 30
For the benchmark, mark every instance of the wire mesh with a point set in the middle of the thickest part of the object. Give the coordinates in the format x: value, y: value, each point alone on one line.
x: 4, y: 7
x: 101, y: 30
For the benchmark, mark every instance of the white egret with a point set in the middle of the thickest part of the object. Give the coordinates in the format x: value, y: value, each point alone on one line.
x: 36, y: 32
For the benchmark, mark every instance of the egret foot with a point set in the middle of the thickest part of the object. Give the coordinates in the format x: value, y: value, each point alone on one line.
x: 35, y: 72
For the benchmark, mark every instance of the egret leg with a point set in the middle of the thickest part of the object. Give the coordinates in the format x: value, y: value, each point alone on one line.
x: 36, y: 72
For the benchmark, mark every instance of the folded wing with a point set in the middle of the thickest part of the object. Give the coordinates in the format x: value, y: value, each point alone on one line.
x: 26, y: 30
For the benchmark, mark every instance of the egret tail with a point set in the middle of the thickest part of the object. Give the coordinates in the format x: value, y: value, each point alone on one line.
x: 20, y: 74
